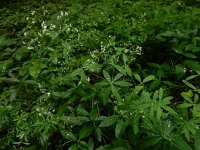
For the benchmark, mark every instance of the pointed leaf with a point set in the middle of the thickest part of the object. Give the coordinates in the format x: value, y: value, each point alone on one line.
x: 107, y: 76
x: 85, y: 131
x: 115, y: 93
x: 109, y: 121
x: 137, y: 77
x: 119, y: 75
x: 148, y: 78
x: 123, y: 83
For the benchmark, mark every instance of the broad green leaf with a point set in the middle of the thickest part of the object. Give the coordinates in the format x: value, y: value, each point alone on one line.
x: 154, y: 84
x: 36, y: 68
x: 107, y: 76
x: 184, y: 105
x: 68, y: 135
x: 137, y: 77
x: 109, y: 121
x: 181, y: 144
x: 148, y: 78
x: 128, y: 70
x: 90, y: 144
x: 160, y: 94
x: 125, y: 58
x: 191, y: 77
x: 189, y: 84
x: 187, y: 96
x: 119, y: 128
x: 120, y: 69
x: 169, y: 109
x: 159, y: 113
x: 98, y: 134
x: 123, y: 83
x: 73, y: 147
x: 155, y: 95
x: 166, y: 100
x: 85, y: 131
x: 136, y: 124
x: 115, y: 93
x: 119, y: 75
x: 91, y: 65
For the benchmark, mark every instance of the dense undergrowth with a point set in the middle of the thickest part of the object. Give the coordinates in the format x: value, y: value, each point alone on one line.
x: 100, y: 74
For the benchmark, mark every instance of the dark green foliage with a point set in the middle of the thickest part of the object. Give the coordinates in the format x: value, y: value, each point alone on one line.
x: 100, y: 75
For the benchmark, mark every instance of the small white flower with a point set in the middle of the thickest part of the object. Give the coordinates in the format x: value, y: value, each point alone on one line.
x: 30, y: 47
x: 32, y: 12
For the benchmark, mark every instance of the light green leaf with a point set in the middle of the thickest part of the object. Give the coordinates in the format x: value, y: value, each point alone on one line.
x: 148, y: 78
x: 119, y: 75
x: 159, y: 113
x: 119, y: 128
x: 125, y: 58
x: 189, y: 84
x: 128, y: 70
x: 68, y: 135
x: 90, y: 144
x: 123, y: 83
x: 98, y: 134
x: 137, y: 77
x: 160, y: 94
x: 169, y: 109
x: 197, y: 140
x: 184, y: 105
x: 115, y: 93
x: 109, y: 121
x: 107, y: 76
x: 191, y: 77
x: 73, y: 147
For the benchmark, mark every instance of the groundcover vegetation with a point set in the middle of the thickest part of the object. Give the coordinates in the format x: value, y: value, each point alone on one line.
x: 100, y: 74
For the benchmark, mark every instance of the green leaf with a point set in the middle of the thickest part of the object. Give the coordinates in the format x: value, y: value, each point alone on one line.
x: 107, y: 76
x: 119, y: 128
x: 191, y: 77
x: 92, y: 66
x: 90, y: 144
x: 109, y: 121
x: 169, y: 109
x: 151, y: 142
x: 197, y: 140
x: 68, y: 135
x: 160, y: 94
x: 119, y: 75
x: 85, y: 131
x: 148, y: 78
x: 181, y: 144
x: 159, y: 113
x: 128, y: 70
x: 123, y: 83
x: 115, y: 93
x: 36, y: 68
x: 189, y: 84
x: 184, y: 105
x: 125, y: 58
x: 137, y: 77
x: 98, y: 134
x: 120, y: 69
x: 73, y: 147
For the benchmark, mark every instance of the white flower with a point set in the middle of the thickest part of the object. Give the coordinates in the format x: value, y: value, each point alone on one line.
x: 32, y: 12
